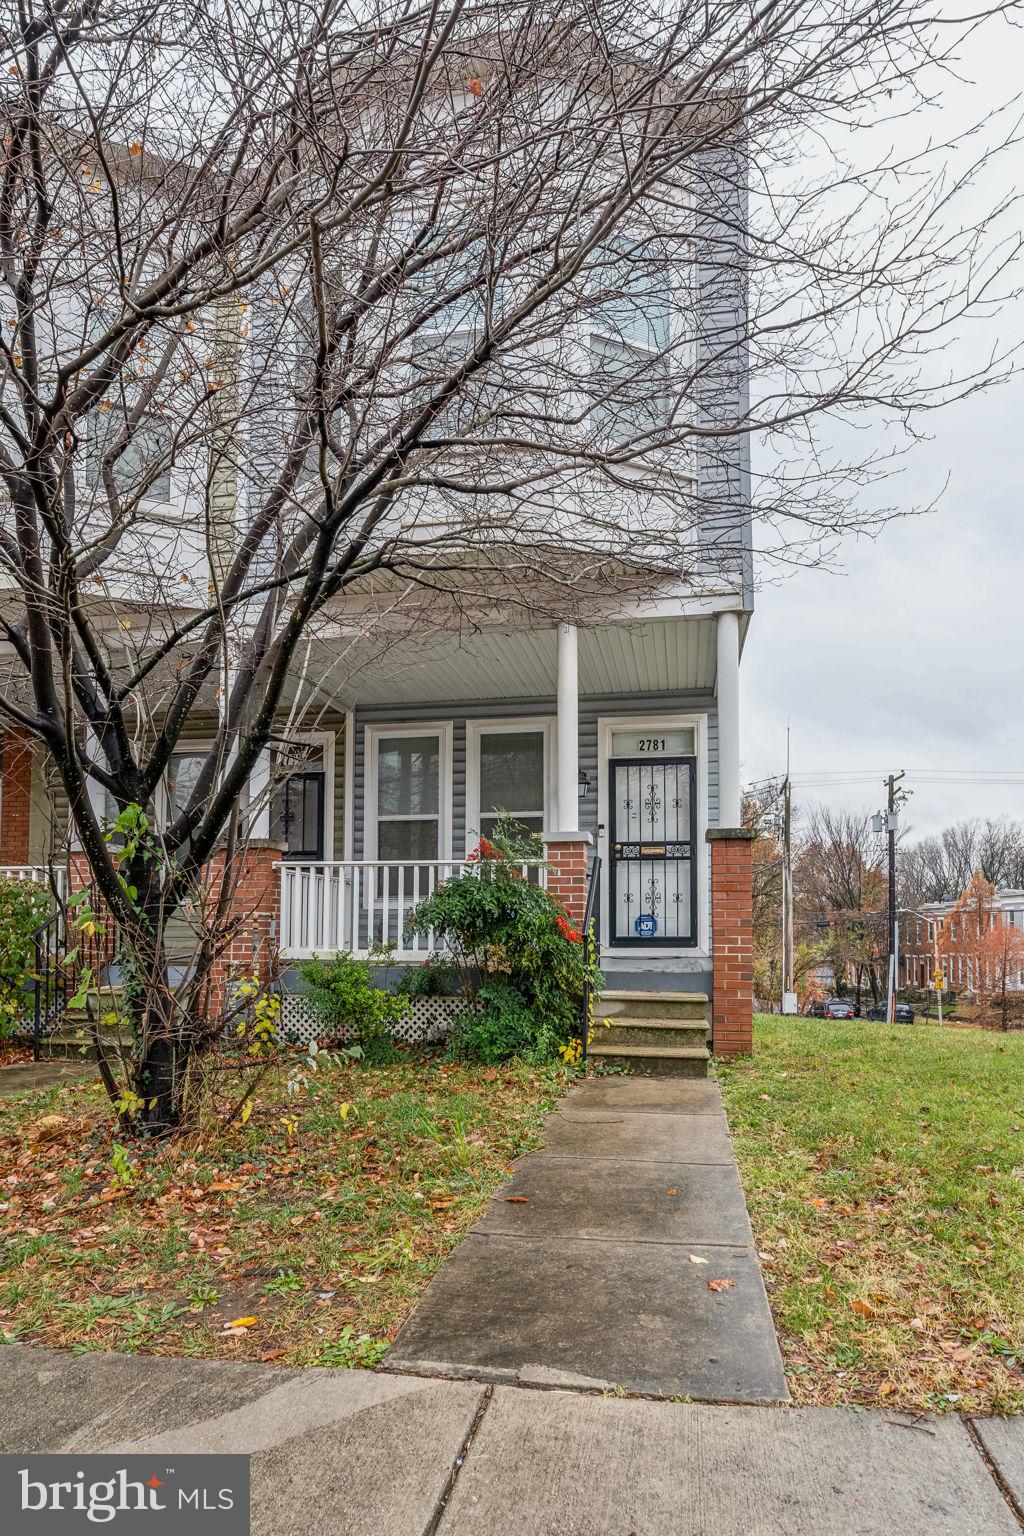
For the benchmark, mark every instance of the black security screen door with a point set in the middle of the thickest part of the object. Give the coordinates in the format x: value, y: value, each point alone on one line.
x: 653, y: 879
x: 298, y: 818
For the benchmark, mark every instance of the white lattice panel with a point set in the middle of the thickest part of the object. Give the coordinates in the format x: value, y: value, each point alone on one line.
x: 428, y: 1020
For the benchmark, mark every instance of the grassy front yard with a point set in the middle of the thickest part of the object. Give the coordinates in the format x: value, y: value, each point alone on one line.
x: 884, y: 1171
x: 305, y: 1237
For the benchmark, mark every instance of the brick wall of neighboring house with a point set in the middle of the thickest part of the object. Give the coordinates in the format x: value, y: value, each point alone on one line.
x: 732, y: 941
x: 567, y: 872
x: 255, y: 911
x: 15, y: 796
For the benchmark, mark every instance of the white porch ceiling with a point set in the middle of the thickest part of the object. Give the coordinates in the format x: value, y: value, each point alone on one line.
x: 650, y: 656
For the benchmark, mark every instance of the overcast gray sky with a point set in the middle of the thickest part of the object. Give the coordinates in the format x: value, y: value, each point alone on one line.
x: 909, y: 652
x: 911, y: 655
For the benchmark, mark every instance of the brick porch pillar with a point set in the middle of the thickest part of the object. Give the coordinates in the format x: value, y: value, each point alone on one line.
x: 732, y: 943
x: 15, y: 795
x: 254, y: 912
x: 566, y: 853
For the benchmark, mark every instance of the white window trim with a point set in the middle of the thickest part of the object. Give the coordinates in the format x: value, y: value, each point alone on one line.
x: 545, y: 725
x: 374, y: 735
x: 698, y: 723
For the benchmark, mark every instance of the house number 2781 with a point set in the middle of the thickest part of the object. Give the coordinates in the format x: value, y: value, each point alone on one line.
x: 651, y: 744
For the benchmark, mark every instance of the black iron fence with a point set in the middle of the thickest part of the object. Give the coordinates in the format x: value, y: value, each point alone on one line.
x: 72, y: 951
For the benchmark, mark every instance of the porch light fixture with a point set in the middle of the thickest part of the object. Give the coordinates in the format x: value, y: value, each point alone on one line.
x: 584, y: 783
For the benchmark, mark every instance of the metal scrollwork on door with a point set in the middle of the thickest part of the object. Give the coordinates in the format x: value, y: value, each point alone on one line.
x: 652, y: 895
x: 652, y: 805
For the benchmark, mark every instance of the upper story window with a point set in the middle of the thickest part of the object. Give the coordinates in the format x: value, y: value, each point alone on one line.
x: 139, y: 457
x: 630, y: 333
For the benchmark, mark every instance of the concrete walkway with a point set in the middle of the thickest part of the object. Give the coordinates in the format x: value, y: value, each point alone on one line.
x: 620, y: 1255
x: 351, y: 1453
x: 30, y: 1076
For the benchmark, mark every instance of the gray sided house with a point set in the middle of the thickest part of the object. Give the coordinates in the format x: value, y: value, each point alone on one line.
x: 612, y: 729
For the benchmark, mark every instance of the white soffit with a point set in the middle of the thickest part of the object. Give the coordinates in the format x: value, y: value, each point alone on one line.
x: 656, y: 656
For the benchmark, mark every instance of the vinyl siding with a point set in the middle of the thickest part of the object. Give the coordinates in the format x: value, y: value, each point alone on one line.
x: 592, y: 708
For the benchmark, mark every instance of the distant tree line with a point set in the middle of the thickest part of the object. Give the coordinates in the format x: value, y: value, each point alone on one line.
x: 940, y: 868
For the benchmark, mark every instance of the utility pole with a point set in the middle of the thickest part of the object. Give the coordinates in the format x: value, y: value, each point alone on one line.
x: 788, y: 989
x: 890, y: 828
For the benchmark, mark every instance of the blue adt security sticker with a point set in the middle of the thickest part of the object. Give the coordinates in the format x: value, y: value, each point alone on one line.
x: 167, y: 1494
x: 646, y: 925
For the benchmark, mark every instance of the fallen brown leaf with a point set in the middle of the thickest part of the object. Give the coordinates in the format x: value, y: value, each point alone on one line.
x: 721, y: 1285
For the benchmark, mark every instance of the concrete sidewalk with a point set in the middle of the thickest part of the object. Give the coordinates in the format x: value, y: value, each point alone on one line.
x: 352, y: 1453
x: 592, y: 1268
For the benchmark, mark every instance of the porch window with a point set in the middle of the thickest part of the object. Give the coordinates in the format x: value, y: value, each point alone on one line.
x: 409, y: 798
x: 512, y: 779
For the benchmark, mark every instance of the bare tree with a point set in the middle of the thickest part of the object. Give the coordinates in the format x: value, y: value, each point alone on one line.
x: 840, y: 889
x: 940, y: 868
x: 327, y: 325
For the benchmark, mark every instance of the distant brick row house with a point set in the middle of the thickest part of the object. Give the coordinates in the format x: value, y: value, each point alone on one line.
x: 938, y: 937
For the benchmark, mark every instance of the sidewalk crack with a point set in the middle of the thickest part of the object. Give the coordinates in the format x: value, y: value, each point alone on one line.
x: 453, y: 1476
x: 993, y: 1471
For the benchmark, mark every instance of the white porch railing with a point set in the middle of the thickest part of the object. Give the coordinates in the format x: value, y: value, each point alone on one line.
x: 40, y: 873
x: 360, y: 905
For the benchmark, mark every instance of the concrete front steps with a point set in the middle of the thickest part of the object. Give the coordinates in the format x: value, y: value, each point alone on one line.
x: 652, y: 1033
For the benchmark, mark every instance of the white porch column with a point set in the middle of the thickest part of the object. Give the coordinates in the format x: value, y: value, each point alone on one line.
x: 728, y: 691
x: 568, y: 730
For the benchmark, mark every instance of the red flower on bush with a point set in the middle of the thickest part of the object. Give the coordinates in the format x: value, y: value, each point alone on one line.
x: 567, y: 931
x: 484, y: 849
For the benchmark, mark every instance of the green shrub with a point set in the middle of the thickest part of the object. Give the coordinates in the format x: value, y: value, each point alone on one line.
x: 498, y: 926
x: 500, y: 1026
x: 433, y: 978
x: 23, y: 907
x: 342, y: 996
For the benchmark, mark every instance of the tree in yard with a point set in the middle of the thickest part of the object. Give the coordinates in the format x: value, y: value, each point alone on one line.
x: 762, y: 810
x: 1001, y: 971
x: 326, y: 326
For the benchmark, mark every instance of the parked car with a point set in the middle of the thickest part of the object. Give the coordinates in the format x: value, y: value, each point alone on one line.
x: 903, y: 1012
x: 839, y: 1008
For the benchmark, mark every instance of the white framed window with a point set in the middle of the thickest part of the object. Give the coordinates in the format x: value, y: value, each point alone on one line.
x: 408, y: 793
x: 510, y: 768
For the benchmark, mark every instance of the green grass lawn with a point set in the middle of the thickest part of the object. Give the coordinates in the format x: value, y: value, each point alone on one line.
x: 304, y: 1237
x: 884, y: 1171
